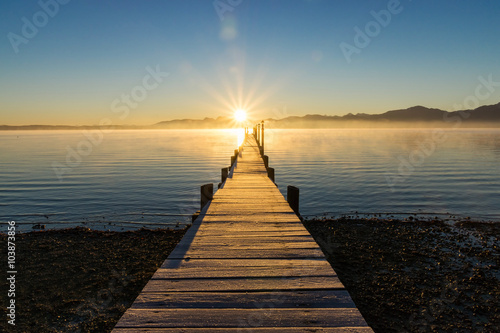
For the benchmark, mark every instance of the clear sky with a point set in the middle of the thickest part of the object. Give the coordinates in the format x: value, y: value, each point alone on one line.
x: 87, y: 60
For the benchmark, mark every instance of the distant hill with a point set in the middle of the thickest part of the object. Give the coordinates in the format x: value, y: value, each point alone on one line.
x: 207, y: 123
x: 416, y: 116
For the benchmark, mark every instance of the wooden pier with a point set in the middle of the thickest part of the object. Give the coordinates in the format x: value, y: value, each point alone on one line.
x: 247, y: 264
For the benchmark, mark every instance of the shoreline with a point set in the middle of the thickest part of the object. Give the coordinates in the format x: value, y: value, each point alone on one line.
x: 25, y: 227
x: 403, y: 276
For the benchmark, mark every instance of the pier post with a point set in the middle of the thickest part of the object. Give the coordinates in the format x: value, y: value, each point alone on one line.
x: 207, y: 194
x: 233, y: 159
x: 270, y: 173
x: 292, y: 196
x: 258, y: 135
x: 224, y: 172
x: 262, y: 139
x: 195, y: 216
x: 266, y: 161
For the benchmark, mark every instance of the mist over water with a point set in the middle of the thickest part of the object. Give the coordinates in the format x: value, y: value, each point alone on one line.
x: 150, y: 177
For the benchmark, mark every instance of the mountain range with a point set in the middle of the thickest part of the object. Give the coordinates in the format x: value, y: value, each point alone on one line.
x: 416, y: 116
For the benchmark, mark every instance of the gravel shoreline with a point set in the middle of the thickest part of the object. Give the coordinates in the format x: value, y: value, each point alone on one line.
x: 417, y: 276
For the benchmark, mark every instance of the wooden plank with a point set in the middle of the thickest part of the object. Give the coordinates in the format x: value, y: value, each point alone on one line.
x: 254, y: 253
x: 200, y: 245
x: 236, y: 228
x: 239, y: 318
x: 254, y: 233
x: 244, y: 284
x: 176, y: 269
x: 246, y: 300
x: 224, y: 240
x: 246, y: 245
x: 249, y: 330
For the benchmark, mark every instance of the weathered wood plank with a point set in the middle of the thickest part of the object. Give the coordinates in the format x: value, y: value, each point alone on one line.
x: 200, y: 245
x: 249, y: 330
x: 246, y: 300
x: 272, y: 239
x: 255, y: 253
x: 243, y: 268
x: 254, y: 233
x: 239, y: 318
x: 244, y: 284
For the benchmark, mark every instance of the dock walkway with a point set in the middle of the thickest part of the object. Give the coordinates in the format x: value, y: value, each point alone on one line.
x: 247, y: 264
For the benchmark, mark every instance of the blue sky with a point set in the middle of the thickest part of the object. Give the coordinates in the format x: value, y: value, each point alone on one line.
x: 274, y: 58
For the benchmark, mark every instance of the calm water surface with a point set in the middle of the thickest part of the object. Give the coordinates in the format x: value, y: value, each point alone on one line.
x: 135, y: 178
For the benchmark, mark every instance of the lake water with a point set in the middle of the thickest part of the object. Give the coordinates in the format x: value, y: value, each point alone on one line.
x: 150, y: 177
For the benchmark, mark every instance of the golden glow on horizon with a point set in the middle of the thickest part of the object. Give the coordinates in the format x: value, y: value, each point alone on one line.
x: 240, y: 115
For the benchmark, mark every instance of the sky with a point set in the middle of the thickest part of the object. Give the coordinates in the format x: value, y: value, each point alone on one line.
x: 76, y: 62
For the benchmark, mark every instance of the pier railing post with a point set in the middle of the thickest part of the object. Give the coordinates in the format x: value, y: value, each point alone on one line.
x: 266, y: 161
x: 292, y: 196
x: 262, y: 138
x: 258, y: 134
x: 224, y: 172
x: 207, y: 194
x: 270, y: 173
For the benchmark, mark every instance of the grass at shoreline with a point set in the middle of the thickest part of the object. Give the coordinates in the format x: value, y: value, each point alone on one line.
x: 403, y: 276
x: 78, y: 278
x: 417, y: 276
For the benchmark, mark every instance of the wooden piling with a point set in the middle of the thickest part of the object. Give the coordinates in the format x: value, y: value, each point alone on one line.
x: 266, y: 161
x: 195, y: 216
x: 262, y: 139
x: 207, y: 193
x: 258, y: 135
x: 270, y: 173
x: 292, y: 196
x: 224, y: 172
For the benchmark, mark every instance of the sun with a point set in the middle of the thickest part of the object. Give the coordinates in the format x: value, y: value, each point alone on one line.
x: 240, y: 115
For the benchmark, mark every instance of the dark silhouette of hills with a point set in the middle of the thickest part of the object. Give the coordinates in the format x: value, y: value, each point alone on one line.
x: 484, y: 116
x: 207, y: 123
x: 416, y: 116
